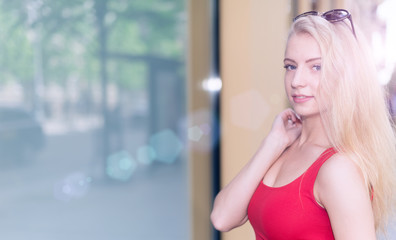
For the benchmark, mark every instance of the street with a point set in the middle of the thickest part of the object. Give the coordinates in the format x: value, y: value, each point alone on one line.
x: 64, y: 194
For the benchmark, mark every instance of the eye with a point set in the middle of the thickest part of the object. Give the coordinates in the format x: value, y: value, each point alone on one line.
x: 289, y: 67
x: 317, y: 67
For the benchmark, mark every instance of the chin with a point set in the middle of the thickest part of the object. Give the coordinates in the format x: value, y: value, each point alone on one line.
x: 307, y: 113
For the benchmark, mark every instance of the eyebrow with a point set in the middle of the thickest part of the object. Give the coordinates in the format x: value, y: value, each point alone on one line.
x: 309, y: 60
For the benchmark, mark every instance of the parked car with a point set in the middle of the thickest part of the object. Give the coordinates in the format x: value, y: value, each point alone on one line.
x: 21, y: 135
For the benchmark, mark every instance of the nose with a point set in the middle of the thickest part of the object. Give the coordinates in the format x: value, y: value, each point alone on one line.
x: 299, y: 78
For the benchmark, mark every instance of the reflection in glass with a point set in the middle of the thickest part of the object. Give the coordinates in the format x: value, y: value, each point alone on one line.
x: 92, y: 120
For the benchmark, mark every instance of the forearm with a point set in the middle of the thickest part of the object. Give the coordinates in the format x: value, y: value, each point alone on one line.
x: 230, y: 206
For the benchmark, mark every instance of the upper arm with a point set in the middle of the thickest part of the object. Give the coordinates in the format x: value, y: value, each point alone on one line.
x: 341, y: 189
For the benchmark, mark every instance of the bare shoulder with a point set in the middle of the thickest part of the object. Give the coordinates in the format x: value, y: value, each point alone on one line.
x: 339, y: 168
x: 339, y: 177
x: 339, y: 174
x: 341, y: 189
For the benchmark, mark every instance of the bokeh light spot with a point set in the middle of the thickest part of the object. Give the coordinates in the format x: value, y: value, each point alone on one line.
x: 166, y: 145
x: 200, y: 132
x: 212, y: 84
x: 146, y: 155
x: 195, y: 133
x: 75, y: 185
x: 120, y: 166
x: 249, y: 110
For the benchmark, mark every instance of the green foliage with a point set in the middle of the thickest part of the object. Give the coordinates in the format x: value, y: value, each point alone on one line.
x: 125, y: 37
x: 16, y: 51
x: 130, y: 75
x: 67, y: 38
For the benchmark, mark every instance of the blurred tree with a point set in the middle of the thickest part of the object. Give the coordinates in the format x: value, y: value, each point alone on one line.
x: 16, y: 56
x: 67, y: 36
x: 135, y: 45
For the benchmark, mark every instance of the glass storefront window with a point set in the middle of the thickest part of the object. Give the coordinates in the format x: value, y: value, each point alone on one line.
x: 92, y: 120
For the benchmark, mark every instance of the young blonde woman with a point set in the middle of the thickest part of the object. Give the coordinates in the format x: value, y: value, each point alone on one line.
x: 326, y: 169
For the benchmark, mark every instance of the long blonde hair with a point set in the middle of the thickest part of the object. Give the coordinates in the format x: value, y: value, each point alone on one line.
x: 354, y: 108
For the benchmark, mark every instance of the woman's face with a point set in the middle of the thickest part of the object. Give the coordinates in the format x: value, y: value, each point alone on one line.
x: 303, y: 70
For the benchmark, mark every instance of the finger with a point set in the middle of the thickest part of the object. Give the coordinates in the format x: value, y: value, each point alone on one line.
x: 291, y: 115
x: 286, y: 114
x: 295, y: 117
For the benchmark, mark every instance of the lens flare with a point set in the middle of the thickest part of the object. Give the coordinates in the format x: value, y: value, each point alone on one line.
x: 166, y: 145
x: 195, y: 133
x: 120, y: 166
x: 73, y: 186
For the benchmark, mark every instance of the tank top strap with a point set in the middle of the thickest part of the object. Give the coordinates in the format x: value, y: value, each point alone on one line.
x: 312, y: 172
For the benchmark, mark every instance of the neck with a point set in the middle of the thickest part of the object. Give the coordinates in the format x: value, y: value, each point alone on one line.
x: 313, y: 132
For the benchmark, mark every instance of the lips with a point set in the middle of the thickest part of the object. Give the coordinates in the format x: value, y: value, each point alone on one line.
x: 301, y: 98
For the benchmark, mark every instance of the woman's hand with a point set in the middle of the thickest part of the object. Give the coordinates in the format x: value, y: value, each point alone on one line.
x: 230, y: 206
x: 286, y: 128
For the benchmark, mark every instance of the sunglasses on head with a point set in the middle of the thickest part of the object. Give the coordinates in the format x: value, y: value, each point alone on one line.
x: 334, y: 15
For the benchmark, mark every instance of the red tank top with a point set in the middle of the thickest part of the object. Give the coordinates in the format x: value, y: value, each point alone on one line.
x: 291, y: 211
